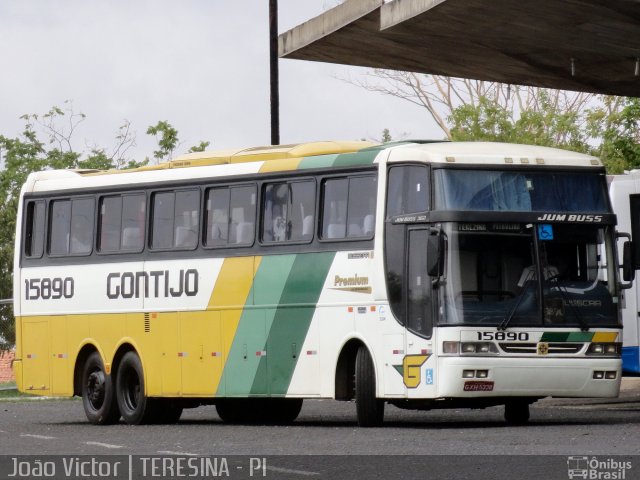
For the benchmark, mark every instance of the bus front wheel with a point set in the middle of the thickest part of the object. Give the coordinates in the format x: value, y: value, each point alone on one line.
x: 370, y: 409
x: 136, y: 408
x: 98, y: 395
x: 516, y: 412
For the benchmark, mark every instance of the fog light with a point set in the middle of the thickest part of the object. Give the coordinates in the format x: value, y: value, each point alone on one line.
x: 610, y: 375
x: 482, y: 373
x: 468, y: 373
x: 598, y: 374
x: 450, y: 347
x: 468, y: 348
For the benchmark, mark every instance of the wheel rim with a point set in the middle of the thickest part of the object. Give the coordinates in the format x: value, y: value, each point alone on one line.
x: 96, y: 389
x: 131, y: 390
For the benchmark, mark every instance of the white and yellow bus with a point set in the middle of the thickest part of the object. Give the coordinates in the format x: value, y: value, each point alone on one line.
x: 420, y: 274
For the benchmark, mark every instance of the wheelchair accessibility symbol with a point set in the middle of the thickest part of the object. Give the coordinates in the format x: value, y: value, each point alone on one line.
x: 545, y: 232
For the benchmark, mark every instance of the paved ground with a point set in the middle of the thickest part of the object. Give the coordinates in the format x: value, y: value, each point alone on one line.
x: 558, y: 427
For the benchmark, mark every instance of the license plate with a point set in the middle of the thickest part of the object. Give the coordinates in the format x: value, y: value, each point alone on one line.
x: 476, y: 386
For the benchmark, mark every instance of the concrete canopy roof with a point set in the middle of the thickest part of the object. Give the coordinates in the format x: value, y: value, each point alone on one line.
x: 583, y: 45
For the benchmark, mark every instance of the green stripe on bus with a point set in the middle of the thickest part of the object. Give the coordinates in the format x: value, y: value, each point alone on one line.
x: 363, y: 157
x: 317, y: 161
x: 244, y: 365
x: 292, y: 320
x: 567, y: 336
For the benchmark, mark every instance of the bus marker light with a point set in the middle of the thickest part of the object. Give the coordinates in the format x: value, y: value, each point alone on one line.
x: 398, y: 352
x: 183, y: 354
x: 261, y: 353
x: 450, y: 347
x: 215, y: 354
x: 312, y: 352
x: 425, y: 351
x: 610, y: 375
x: 350, y: 309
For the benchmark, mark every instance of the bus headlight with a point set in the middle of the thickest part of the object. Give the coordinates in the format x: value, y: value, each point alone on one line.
x: 604, y: 349
x: 484, y: 348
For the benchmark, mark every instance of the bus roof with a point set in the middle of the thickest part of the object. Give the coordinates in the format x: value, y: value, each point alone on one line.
x: 309, y: 156
x: 483, y: 153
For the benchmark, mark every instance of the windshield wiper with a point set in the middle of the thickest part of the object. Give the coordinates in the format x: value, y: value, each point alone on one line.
x: 514, y: 309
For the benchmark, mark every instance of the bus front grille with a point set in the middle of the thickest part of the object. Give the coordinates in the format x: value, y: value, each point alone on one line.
x: 532, y: 348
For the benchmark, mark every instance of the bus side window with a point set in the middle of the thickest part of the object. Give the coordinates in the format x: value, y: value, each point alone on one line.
x: 59, y: 226
x: 82, y: 215
x: 230, y: 216
x: 34, y: 234
x: 175, y: 219
x: 288, y: 211
x: 348, y: 207
x: 242, y: 214
x: 121, y: 226
x: 408, y: 190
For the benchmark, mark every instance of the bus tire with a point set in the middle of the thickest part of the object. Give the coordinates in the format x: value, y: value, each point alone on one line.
x: 282, y: 411
x: 516, y: 412
x: 98, y: 394
x: 370, y: 410
x: 136, y: 408
x: 229, y: 411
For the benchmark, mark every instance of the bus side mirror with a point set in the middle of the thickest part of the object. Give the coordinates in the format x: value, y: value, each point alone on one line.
x: 435, y: 254
x: 628, y: 270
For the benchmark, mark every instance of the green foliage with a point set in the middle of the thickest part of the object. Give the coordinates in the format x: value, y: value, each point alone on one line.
x: 167, y: 137
x: 546, y: 125
x: 386, y: 136
x: 609, y: 129
x: 31, y: 152
x: 617, y: 122
x: 201, y: 147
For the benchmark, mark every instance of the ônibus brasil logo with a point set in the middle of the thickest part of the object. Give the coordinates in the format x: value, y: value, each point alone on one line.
x: 594, y: 468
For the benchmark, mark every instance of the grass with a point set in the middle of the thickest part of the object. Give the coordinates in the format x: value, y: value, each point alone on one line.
x: 9, y: 392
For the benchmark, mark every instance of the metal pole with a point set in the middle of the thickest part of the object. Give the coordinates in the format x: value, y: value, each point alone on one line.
x: 273, y: 63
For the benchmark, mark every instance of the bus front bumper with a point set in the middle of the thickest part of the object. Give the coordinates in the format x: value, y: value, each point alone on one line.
x: 528, y: 377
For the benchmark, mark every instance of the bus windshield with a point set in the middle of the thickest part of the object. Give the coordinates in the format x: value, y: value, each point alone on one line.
x: 520, y: 191
x: 492, y: 273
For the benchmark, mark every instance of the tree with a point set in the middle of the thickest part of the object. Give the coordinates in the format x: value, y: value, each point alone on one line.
x: 477, y: 110
x: 201, y: 147
x: 46, y: 142
x: 167, y: 138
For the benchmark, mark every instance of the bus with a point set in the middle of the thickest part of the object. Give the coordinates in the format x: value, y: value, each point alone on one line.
x: 625, y: 198
x: 418, y: 274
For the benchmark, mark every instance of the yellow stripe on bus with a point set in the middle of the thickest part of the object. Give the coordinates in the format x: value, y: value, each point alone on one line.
x: 605, y: 337
x: 280, y: 165
x: 230, y: 294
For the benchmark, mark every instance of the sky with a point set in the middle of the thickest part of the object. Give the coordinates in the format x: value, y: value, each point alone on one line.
x: 201, y: 65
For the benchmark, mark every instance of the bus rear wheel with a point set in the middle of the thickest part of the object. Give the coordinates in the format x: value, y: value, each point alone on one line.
x: 516, y: 412
x: 370, y: 410
x: 98, y: 395
x: 136, y: 408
